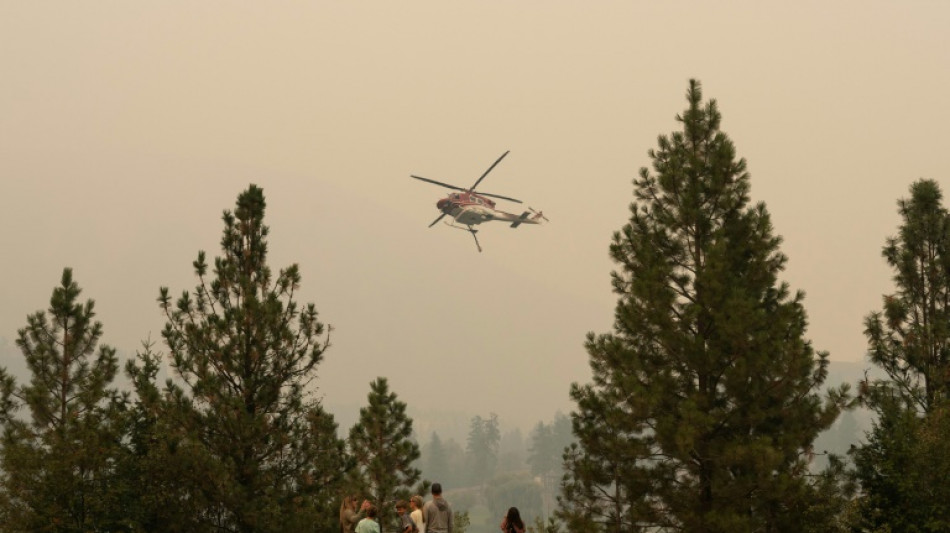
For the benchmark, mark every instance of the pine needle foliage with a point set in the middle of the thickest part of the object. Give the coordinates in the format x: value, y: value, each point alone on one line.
x: 705, y: 398
x: 903, y: 465
x: 382, y: 446
x: 910, y: 337
x: 161, y: 468
x: 481, y: 448
x: 245, y: 354
x: 57, y: 465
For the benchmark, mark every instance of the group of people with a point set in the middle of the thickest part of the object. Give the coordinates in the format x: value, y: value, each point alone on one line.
x: 433, y: 516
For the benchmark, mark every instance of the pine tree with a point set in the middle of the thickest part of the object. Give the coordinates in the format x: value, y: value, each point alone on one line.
x: 246, y: 354
x: 548, y: 443
x: 903, y: 469
x: 541, y: 458
x: 545, y: 457
x: 160, y: 469
x: 57, y: 466
x: 481, y: 448
x: 910, y: 340
x: 511, y: 451
x: 437, y: 466
x: 383, y: 449
x: 705, y: 397
x: 443, y: 461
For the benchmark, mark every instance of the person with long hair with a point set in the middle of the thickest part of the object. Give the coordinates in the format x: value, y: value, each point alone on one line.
x: 416, y: 515
x: 512, y: 522
x: 349, y: 516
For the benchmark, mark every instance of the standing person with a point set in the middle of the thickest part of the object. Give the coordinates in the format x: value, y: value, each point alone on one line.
x: 405, y: 523
x: 368, y: 524
x: 437, y: 513
x: 416, y: 515
x: 349, y: 516
x: 512, y: 522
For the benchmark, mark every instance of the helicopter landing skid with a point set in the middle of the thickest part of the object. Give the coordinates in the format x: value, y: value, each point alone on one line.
x: 468, y: 229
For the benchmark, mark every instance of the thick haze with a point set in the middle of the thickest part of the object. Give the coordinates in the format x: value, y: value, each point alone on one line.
x: 126, y: 128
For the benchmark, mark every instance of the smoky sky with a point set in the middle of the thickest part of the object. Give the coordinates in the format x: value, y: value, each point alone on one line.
x: 127, y: 128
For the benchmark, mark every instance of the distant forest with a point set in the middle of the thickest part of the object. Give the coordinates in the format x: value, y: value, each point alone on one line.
x: 708, y: 409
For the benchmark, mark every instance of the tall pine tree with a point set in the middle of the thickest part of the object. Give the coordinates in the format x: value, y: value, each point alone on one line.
x: 481, y: 448
x: 246, y: 354
x: 909, y: 339
x: 383, y: 449
x: 705, y: 397
x: 58, y: 466
x: 441, y: 460
x: 548, y: 444
x: 436, y: 463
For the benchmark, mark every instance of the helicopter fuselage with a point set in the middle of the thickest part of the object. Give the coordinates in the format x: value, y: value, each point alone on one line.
x: 470, y: 208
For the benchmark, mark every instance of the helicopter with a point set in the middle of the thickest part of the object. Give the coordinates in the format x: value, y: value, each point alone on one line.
x: 470, y: 208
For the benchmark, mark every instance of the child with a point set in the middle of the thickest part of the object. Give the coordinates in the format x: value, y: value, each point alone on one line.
x: 368, y: 524
x: 405, y: 522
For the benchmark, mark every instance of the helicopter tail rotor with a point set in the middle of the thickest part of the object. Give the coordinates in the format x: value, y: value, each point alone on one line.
x: 538, y: 214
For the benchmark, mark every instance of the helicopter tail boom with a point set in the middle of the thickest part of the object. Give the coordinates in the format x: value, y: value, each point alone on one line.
x: 523, y: 219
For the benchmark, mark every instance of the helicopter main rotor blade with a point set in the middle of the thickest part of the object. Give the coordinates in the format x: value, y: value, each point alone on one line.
x: 472, y: 188
x: 499, y: 196
x: 434, y: 222
x: 466, y: 190
x: 438, y: 183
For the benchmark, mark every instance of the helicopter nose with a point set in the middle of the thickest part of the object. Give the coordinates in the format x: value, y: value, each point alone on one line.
x: 441, y: 204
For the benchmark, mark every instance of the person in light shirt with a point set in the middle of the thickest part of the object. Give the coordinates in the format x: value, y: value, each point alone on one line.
x: 416, y: 515
x: 368, y: 524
